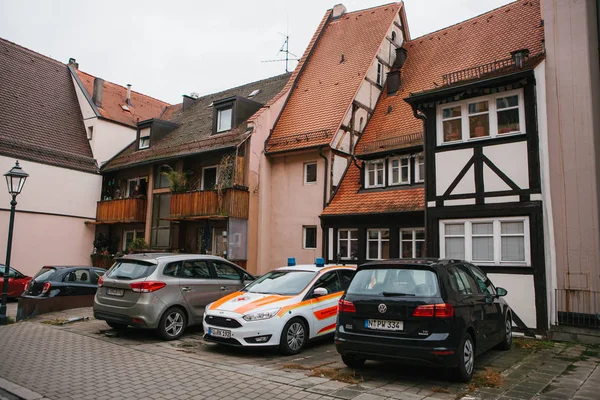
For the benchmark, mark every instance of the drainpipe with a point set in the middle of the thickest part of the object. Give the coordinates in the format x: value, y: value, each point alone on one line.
x: 420, y: 115
x: 324, y: 236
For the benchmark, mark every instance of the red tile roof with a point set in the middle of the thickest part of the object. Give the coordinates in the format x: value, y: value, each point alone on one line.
x: 349, y: 200
x: 486, y: 38
x: 40, y: 118
x: 325, y: 87
x: 114, y: 96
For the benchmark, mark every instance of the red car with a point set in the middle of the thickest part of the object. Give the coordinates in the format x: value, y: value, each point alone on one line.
x: 16, y: 282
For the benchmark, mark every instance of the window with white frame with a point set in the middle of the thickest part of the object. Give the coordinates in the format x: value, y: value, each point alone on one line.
x: 482, y: 117
x: 379, y: 73
x: 412, y: 243
x: 378, y: 244
x: 348, y: 244
x: 144, y: 142
x: 137, y: 186
x: 375, y: 174
x: 493, y: 241
x: 224, y: 119
x: 309, y: 237
x: 310, y: 173
x: 210, y: 175
x: 399, y: 173
x: 419, y: 168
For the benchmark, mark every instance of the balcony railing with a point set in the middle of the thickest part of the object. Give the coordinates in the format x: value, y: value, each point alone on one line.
x: 121, y: 211
x: 208, y: 204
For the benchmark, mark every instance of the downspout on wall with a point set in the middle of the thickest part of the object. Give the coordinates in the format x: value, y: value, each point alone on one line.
x: 420, y: 115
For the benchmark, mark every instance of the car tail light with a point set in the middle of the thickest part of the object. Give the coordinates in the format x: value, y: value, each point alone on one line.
x: 443, y: 310
x: 100, y: 281
x: 46, y: 287
x: 146, y: 286
x: 346, y: 306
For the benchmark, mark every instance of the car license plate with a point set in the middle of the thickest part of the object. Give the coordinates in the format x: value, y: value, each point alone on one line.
x: 384, y: 325
x: 222, y: 333
x: 114, y: 292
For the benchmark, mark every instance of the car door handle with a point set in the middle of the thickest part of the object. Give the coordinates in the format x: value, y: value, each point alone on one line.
x: 224, y: 288
x: 186, y: 289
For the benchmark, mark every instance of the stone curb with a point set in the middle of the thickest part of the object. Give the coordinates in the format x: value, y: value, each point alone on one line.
x: 20, y: 391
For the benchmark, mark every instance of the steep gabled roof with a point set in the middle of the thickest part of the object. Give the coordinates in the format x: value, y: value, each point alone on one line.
x: 194, y: 134
x: 350, y: 200
x: 325, y: 86
x: 40, y: 118
x: 480, y: 40
x: 114, y: 97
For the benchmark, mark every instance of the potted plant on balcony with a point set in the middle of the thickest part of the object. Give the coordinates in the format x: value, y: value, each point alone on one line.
x: 104, y: 249
x: 138, y: 245
x: 224, y: 179
x: 178, y: 180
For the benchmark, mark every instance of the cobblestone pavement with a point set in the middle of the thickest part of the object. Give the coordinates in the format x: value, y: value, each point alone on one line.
x: 87, y: 360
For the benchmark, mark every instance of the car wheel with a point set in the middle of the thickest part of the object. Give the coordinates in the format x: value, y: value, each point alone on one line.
x: 172, y: 324
x: 353, y: 361
x: 116, y: 325
x: 294, y: 336
x: 466, y: 359
x: 507, y: 342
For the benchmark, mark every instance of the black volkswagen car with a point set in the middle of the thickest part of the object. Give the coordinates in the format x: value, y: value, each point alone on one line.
x: 428, y: 312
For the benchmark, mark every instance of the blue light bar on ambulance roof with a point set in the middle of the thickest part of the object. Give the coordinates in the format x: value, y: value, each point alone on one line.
x: 320, y: 262
x: 291, y: 261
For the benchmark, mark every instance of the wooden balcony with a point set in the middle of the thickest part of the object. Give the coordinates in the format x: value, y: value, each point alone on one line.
x: 206, y: 204
x: 131, y: 210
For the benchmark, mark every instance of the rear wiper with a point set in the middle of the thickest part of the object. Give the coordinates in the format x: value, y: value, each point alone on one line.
x: 121, y: 277
x: 396, y: 294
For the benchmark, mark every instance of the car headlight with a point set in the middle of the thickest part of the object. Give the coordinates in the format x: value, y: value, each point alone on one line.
x: 257, y: 316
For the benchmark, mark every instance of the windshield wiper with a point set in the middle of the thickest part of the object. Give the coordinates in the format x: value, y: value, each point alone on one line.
x: 121, y: 277
x: 387, y: 294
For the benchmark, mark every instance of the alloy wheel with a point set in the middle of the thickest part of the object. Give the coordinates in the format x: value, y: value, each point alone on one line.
x: 174, y: 323
x: 468, y: 356
x: 508, y: 330
x: 295, y: 336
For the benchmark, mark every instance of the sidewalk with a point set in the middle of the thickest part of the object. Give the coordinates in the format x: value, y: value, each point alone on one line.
x: 96, y: 362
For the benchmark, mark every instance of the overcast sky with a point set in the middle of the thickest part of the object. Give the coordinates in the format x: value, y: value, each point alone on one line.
x: 169, y: 48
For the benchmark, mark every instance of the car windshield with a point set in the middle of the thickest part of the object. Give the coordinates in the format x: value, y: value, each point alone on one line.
x: 129, y: 270
x: 45, y: 274
x: 281, y: 282
x: 395, y: 282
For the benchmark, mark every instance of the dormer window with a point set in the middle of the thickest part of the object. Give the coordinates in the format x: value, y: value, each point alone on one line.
x: 224, y: 119
x: 375, y: 174
x: 144, y: 140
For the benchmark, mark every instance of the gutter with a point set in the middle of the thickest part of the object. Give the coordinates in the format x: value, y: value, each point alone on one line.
x: 418, y: 114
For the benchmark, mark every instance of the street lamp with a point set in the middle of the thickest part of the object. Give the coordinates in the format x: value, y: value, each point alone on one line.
x: 15, y: 180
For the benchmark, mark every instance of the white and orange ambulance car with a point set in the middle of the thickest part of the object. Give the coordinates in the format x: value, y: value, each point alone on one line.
x: 286, y: 307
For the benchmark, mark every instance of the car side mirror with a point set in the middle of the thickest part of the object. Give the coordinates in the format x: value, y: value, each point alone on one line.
x: 320, y: 291
x: 501, y: 292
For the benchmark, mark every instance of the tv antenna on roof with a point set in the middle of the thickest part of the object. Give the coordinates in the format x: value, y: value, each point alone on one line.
x: 285, y: 49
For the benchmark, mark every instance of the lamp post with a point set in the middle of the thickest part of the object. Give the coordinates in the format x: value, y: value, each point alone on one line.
x: 15, y: 180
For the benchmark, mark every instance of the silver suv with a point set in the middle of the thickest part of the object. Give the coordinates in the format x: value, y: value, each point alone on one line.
x: 166, y: 292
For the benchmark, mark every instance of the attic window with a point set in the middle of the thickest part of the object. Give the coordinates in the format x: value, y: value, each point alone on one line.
x: 144, y: 142
x: 224, y: 117
x: 379, y: 73
x: 393, y: 36
x: 254, y: 93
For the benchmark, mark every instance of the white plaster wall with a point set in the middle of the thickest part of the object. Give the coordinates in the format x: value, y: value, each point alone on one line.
x: 55, y: 190
x: 512, y: 159
x: 109, y: 139
x: 86, y: 109
x: 448, y: 164
x: 521, y: 295
x: 492, y: 182
x: 339, y: 165
x: 294, y: 205
x: 360, y: 113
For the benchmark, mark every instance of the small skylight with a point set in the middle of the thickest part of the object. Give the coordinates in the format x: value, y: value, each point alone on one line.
x: 211, y: 104
x: 124, y: 107
x: 254, y: 93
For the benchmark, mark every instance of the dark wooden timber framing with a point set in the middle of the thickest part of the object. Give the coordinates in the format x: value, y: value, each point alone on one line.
x: 362, y: 222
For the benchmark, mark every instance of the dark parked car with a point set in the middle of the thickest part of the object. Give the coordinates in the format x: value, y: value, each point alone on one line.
x: 16, y: 281
x: 427, y: 312
x: 53, y: 281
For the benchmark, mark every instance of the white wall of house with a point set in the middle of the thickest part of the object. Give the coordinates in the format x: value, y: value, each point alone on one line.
x: 106, y: 138
x: 51, y: 211
x: 520, y: 297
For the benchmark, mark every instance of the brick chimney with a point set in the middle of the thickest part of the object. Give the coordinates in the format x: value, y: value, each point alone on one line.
x: 97, y: 95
